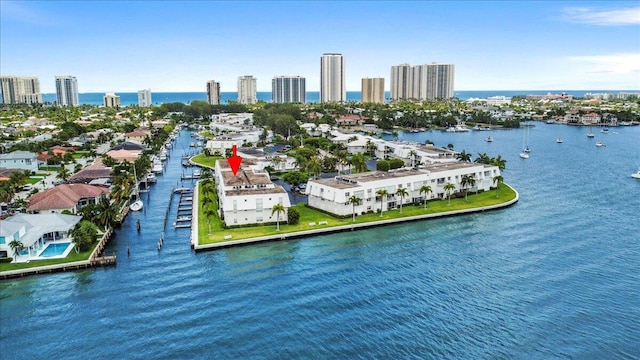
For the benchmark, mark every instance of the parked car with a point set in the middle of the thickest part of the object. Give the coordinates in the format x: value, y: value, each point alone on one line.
x: 27, y: 187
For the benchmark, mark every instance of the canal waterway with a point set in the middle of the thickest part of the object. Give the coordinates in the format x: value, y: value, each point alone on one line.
x: 555, y: 276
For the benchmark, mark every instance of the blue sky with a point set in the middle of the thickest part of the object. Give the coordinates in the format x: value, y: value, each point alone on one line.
x: 126, y: 46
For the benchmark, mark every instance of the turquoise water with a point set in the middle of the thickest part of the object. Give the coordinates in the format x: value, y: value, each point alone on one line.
x: 131, y: 98
x: 54, y: 249
x: 555, y: 276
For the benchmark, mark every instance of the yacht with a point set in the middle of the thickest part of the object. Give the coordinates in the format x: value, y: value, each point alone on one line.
x: 489, y: 139
x: 559, y: 140
x: 636, y: 175
x: 604, y: 130
x: 590, y: 134
x: 600, y: 144
x: 457, y: 128
x: 524, y: 155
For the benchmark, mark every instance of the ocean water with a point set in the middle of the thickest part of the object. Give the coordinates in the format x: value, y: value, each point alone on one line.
x: 555, y: 276
x: 129, y: 98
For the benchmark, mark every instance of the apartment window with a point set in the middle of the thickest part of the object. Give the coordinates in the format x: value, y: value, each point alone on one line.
x: 28, y: 161
x: 258, y: 205
x: 259, y: 219
x: 235, y: 206
x: 347, y: 194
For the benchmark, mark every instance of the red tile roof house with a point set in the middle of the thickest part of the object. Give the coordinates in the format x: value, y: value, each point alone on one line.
x: 69, y: 197
x: 137, y: 136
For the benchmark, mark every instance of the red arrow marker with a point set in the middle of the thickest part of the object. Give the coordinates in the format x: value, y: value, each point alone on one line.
x: 234, y: 161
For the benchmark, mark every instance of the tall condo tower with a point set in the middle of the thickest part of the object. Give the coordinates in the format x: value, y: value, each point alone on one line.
x: 67, y: 91
x: 373, y: 90
x: 288, y: 89
x: 111, y: 100
x: 332, y: 85
x: 422, y: 82
x: 439, y: 81
x: 247, y: 90
x: 213, y: 92
x: 20, y: 90
x: 144, y: 98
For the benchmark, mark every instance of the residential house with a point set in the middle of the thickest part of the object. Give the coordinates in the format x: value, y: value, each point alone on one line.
x: 25, y: 160
x: 70, y: 197
x: 35, y: 232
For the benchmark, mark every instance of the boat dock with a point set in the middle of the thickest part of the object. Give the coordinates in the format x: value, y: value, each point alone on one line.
x: 185, y: 208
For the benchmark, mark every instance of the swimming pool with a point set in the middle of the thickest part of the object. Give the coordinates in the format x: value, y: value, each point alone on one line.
x: 54, y: 249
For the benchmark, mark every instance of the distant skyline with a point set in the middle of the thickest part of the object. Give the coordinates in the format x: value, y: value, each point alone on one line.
x: 171, y: 46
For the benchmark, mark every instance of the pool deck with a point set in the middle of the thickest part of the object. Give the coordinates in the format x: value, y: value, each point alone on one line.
x: 335, y: 229
x: 93, y: 261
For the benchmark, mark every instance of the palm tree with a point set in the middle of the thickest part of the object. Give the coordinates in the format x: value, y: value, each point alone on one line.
x: 354, y: 200
x: 314, y: 166
x: 106, y: 213
x: 426, y: 189
x: 498, y: 179
x: 466, y: 182
x: 16, y: 246
x: 277, y: 209
x: 464, y: 156
x: 402, y: 192
x: 382, y: 193
x: 449, y: 187
x: 63, y: 173
x: 483, y: 158
x: 499, y: 162
x: 276, y: 161
x: 359, y: 163
x: 209, y: 211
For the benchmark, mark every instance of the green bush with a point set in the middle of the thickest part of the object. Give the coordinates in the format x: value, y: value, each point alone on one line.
x: 293, y: 216
x: 382, y: 165
x: 6, y: 260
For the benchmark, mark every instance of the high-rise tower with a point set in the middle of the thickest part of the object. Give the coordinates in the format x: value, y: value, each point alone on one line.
x: 144, y: 98
x: 332, y: 84
x: 422, y: 82
x: 247, y: 90
x: 67, y: 91
x: 373, y: 90
x: 287, y: 89
x: 213, y: 92
x: 19, y: 90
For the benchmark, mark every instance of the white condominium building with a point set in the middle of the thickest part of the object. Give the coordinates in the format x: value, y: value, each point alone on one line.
x: 67, y: 91
x: 247, y: 90
x: 144, y: 98
x: 20, y: 90
x: 332, y: 83
x: 111, y: 100
x: 332, y: 195
x: 288, y: 89
x: 213, y: 92
x: 373, y: 90
x: 422, y: 82
x: 249, y: 196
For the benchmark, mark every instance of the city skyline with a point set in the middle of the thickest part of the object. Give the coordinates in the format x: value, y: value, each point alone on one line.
x: 494, y: 45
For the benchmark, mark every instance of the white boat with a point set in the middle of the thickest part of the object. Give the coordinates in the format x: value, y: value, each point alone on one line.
x: 600, y: 144
x: 524, y: 155
x: 604, y: 130
x: 559, y: 140
x: 137, y: 204
x: 590, y: 134
x: 636, y: 175
x: 457, y: 128
x: 527, y: 150
x: 489, y: 139
x: 151, y: 177
x: 157, y: 168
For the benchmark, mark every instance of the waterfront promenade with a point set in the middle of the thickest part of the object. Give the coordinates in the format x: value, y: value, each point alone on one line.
x: 328, y: 229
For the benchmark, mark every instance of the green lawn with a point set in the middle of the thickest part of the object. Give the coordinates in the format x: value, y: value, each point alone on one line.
x: 49, y: 168
x: 34, y: 180
x: 309, y: 215
x: 204, y: 160
x: 35, y: 263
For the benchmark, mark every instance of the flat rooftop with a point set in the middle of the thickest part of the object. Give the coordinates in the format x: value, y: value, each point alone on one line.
x: 429, y: 149
x: 245, y: 177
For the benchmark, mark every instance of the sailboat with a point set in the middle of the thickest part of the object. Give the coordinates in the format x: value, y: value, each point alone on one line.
x: 559, y: 140
x: 590, y: 134
x: 636, y: 175
x: 137, y: 204
x: 524, y: 154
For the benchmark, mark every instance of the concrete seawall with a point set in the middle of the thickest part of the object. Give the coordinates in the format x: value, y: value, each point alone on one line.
x: 352, y: 227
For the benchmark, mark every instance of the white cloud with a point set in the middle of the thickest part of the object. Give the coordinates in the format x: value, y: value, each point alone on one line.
x: 612, y: 63
x: 592, y: 16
